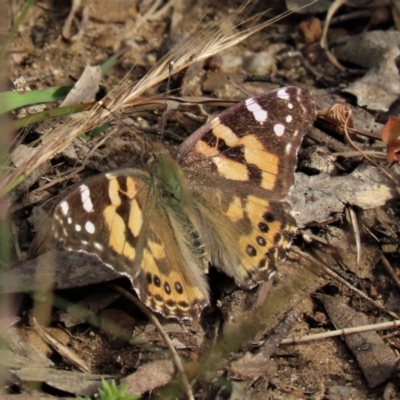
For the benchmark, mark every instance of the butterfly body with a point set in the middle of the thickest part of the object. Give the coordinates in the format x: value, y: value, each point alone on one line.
x: 222, y: 199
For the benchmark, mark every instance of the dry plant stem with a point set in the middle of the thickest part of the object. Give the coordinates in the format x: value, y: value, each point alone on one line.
x: 372, y: 234
x: 339, y: 332
x: 356, y: 230
x: 309, y: 68
x: 324, y: 43
x: 334, y: 275
x: 371, y: 153
x: 15, y: 240
x: 390, y: 271
x: 82, y: 26
x: 66, y: 30
x: 97, y: 145
x: 332, y: 143
x: 262, y: 293
x: 151, y: 14
x: 309, y: 237
x: 274, y: 339
x: 351, y: 16
x: 155, y: 15
x: 209, y: 42
x: 238, y: 86
x: 383, y: 170
x: 156, y: 322
x: 9, y: 322
x: 65, y: 178
x: 61, y: 349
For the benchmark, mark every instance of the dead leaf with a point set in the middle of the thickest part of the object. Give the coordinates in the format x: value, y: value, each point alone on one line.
x: 376, y: 359
x: 376, y: 51
x: 80, y: 311
x: 85, y: 88
x: 391, y: 137
x: 252, y: 367
x: 316, y: 198
x: 68, y: 381
x: 66, y: 353
x: 149, y: 377
x: 311, y: 29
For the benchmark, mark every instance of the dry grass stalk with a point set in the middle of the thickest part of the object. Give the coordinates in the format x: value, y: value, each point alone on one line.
x: 191, y: 50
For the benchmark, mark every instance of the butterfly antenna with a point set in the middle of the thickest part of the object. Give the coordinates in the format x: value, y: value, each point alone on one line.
x: 164, y: 116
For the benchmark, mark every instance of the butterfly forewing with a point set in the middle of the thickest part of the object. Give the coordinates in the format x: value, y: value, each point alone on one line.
x: 254, y: 143
x: 241, y: 168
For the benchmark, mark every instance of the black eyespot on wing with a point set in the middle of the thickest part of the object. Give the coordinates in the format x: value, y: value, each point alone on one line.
x: 264, y: 228
x: 157, y: 281
x: 268, y: 217
x: 251, y: 251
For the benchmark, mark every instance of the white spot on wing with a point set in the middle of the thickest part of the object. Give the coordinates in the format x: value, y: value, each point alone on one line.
x: 78, y: 228
x: 283, y: 94
x: 69, y: 220
x: 89, y: 227
x: 98, y: 246
x: 271, y: 274
x: 85, y: 198
x: 290, y: 105
x: 64, y: 207
x: 259, y: 113
x: 279, y: 129
x: 289, y: 118
x: 288, y: 147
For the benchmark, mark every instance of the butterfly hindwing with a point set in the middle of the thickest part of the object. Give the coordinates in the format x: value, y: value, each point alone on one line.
x: 124, y: 221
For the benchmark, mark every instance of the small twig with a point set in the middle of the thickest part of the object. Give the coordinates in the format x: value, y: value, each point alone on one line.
x: 156, y: 15
x: 313, y: 71
x: 239, y: 86
x: 355, y: 146
x: 372, y: 234
x: 274, y: 339
x: 152, y: 14
x: 349, y: 154
x: 156, y: 322
x: 339, y: 332
x: 334, y: 275
x: 323, y: 42
x: 66, y: 353
x: 390, y: 270
x: 66, y: 29
x: 96, y: 146
x: 75, y: 171
x: 356, y: 230
x: 328, y: 141
x: 262, y: 293
x: 351, y: 16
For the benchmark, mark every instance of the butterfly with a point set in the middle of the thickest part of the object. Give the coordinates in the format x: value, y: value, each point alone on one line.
x: 222, y: 199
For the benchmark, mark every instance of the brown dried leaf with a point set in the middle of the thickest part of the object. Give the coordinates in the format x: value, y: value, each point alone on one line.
x: 252, y: 367
x: 149, y: 377
x: 377, y: 361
